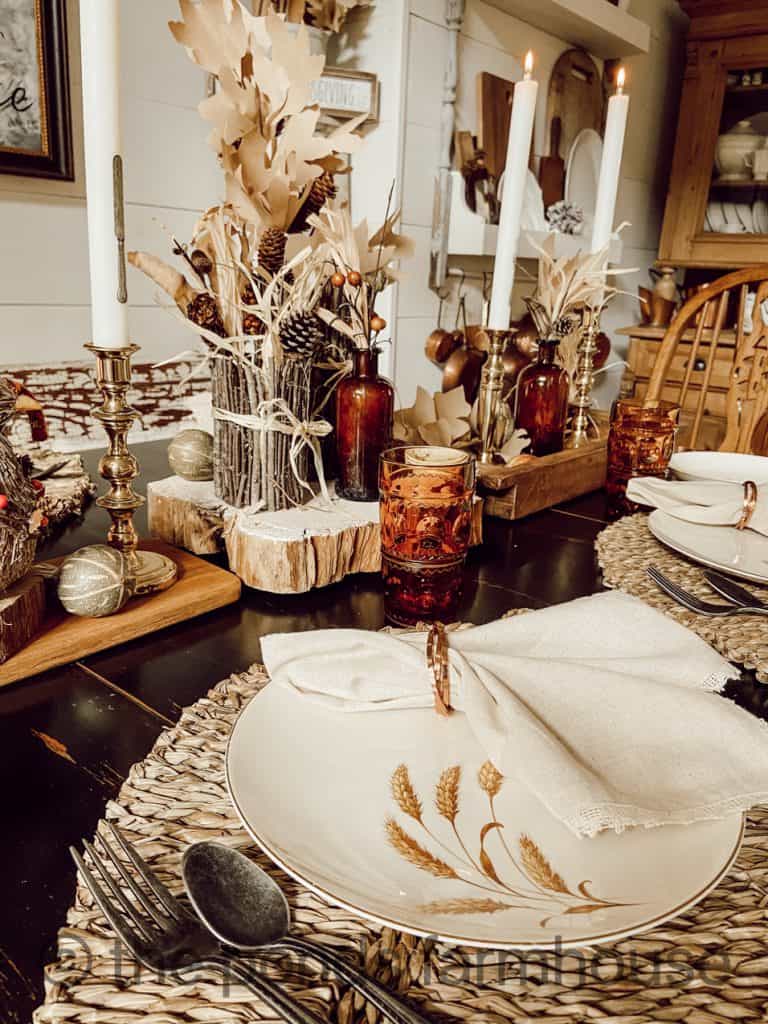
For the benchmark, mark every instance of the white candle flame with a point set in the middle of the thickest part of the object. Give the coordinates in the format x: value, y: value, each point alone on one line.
x: 621, y: 78
x: 528, y: 65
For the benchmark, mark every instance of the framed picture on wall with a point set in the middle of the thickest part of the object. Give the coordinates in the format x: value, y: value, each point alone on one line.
x: 35, y: 120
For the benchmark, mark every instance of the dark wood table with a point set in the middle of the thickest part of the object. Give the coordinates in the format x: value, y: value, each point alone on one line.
x: 69, y: 736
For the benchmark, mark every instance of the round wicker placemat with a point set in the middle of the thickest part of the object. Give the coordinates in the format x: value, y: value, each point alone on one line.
x: 706, y: 967
x: 626, y: 548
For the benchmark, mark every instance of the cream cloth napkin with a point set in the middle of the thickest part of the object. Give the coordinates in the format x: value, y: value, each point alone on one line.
x: 710, y: 502
x: 603, y: 707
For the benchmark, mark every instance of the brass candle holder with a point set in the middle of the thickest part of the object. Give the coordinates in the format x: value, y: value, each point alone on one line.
x: 152, y: 571
x: 490, y: 396
x: 584, y: 378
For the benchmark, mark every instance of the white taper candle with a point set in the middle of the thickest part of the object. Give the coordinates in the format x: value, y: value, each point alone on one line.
x: 100, y: 49
x: 610, y: 165
x: 515, y: 176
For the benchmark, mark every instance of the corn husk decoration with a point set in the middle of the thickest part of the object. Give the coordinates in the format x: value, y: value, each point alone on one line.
x: 252, y: 277
x: 566, y: 287
x: 265, y: 134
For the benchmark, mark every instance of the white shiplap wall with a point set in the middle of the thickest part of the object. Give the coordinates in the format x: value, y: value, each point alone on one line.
x: 171, y: 175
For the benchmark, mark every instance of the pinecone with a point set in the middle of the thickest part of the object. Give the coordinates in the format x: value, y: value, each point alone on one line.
x: 321, y: 191
x: 563, y: 326
x: 272, y: 250
x: 301, y: 335
x: 204, y: 312
x: 251, y: 323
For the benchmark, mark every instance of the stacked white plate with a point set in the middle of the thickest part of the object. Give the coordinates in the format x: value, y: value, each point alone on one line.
x: 742, y: 553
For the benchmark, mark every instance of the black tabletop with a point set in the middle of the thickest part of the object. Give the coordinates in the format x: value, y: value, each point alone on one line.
x: 69, y: 736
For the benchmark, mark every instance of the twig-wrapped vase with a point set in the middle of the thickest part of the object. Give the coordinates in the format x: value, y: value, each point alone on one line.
x: 252, y: 464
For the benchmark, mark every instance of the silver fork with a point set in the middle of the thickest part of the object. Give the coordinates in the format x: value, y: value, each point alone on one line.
x: 695, y: 604
x: 160, y: 931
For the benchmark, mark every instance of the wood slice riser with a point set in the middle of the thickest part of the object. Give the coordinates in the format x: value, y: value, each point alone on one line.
x: 288, y: 552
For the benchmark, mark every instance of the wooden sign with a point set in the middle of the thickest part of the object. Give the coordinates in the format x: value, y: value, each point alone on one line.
x: 343, y: 93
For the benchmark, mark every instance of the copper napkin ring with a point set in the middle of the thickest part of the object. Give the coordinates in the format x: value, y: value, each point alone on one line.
x: 750, y: 503
x: 437, y: 659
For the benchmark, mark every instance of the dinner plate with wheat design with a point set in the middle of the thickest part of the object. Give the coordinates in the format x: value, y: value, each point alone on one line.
x: 401, y: 818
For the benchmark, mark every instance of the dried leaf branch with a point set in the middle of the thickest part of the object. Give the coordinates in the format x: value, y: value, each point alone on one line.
x: 331, y: 14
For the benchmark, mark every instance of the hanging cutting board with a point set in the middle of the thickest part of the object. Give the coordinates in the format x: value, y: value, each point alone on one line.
x: 575, y: 96
x: 494, y: 111
x: 552, y: 167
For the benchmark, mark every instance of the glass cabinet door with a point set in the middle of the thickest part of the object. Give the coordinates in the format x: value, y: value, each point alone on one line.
x: 716, y: 212
x: 738, y: 193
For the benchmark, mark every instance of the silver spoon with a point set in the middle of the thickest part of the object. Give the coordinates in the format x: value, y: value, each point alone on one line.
x: 243, y: 907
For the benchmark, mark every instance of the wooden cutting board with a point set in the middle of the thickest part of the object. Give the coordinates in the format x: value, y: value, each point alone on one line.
x: 552, y: 169
x: 201, y: 587
x: 575, y: 96
x: 494, y: 112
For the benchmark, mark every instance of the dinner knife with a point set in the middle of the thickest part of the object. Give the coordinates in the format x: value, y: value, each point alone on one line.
x: 732, y: 591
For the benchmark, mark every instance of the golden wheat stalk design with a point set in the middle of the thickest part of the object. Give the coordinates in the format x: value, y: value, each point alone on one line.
x: 533, y: 865
x: 468, y: 906
x: 447, y: 793
x: 538, y: 868
x: 415, y: 853
x: 490, y: 779
x: 404, y: 793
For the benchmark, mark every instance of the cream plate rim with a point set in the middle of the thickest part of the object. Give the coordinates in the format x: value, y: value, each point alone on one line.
x: 675, y: 545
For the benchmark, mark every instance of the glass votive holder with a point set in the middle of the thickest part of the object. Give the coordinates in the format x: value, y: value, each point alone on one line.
x: 641, y: 441
x: 426, y: 494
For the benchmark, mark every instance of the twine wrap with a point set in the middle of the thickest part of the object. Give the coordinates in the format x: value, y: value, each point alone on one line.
x: 275, y: 415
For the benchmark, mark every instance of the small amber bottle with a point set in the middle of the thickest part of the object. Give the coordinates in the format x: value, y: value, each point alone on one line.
x: 542, y: 401
x: 364, y: 408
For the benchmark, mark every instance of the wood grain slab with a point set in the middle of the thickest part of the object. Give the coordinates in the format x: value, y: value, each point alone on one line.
x: 201, y: 587
x: 287, y: 552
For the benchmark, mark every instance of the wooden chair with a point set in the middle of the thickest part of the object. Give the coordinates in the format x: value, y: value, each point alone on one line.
x: 696, y: 351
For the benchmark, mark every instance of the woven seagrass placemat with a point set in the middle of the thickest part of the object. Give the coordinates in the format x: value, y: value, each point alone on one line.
x: 709, y: 966
x: 626, y: 548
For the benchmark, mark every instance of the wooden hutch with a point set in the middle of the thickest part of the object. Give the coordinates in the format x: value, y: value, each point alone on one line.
x: 713, y: 225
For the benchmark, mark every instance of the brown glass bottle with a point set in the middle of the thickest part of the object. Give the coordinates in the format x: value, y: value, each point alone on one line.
x: 364, y: 406
x: 542, y: 401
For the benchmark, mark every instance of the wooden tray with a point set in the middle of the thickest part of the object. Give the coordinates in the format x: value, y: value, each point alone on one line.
x: 513, y: 492
x: 201, y: 587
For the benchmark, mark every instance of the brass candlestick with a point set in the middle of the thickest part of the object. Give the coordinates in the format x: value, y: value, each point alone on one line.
x: 585, y: 377
x: 490, y: 423
x: 119, y: 468
x: 148, y: 570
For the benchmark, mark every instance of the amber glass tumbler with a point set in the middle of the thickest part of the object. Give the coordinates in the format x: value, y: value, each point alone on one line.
x: 364, y: 409
x: 640, y: 443
x: 426, y: 495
